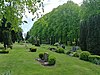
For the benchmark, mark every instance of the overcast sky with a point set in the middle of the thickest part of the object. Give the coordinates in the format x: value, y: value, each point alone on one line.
x: 48, y: 6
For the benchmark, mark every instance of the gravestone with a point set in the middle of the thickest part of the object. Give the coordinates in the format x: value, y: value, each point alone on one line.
x: 46, y: 56
x: 75, y: 48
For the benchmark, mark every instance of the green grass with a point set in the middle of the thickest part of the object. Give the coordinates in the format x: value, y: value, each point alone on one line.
x: 22, y: 62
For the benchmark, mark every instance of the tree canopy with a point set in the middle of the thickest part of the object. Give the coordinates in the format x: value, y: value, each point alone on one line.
x: 13, y: 10
x: 60, y: 25
x: 78, y: 25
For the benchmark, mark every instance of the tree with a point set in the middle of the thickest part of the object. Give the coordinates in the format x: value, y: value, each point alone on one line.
x: 60, y: 25
x: 89, y: 30
x: 89, y: 36
x: 11, y: 15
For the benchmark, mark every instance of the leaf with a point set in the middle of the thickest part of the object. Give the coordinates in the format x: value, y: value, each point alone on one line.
x: 25, y: 21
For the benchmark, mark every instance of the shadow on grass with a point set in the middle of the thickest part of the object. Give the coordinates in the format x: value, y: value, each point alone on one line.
x: 1, y: 47
x: 4, y: 51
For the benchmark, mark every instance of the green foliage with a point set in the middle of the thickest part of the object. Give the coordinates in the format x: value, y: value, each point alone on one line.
x: 52, y: 60
x: 1, y: 38
x: 33, y: 49
x: 60, y: 50
x: 89, y: 34
x: 89, y: 7
x: 56, y: 44
x: 27, y: 36
x: 79, y: 51
x: 7, y: 37
x: 19, y: 36
x: 37, y: 43
x: 13, y: 36
x: 76, y: 54
x: 13, y: 10
x: 90, y: 26
x: 83, y: 34
x: 62, y: 24
x: 84, y: 55
x: 41, y: 55
x: 94, y: 59
x: 69, y: 52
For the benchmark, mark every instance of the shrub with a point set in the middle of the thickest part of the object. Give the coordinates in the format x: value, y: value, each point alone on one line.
x: 52, y: 60
x: 94, y: 59
x: 37, y: 44
x: 68, y: 52
x: 52, y: 49
x: 60, y: 50
x: 56, y: 44
x: 78, y: 51
x: 41, y: 56
x: 75, y: 54
x: 84, y: 55
x: 33, y: 49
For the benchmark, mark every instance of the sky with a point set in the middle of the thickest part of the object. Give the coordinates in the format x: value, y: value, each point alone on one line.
x: 49, y: 5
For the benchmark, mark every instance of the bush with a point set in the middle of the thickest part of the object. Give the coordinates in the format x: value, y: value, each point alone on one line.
x: 60, y: 50
x: 94, y: 59
x: 33, y: 49
x: 52, y: 60
x: 56, y: 44
x: 75, y: 54
x: 84, y: 55
x: 37, y: 44
x: 78, y: 51
x: 41, y: 56
x: 52, y: 49
x: 68, y: 52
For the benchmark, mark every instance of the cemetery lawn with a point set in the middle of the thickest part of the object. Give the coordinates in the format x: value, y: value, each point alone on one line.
x: 22, y: 62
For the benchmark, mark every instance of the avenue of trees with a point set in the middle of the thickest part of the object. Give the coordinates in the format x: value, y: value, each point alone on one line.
x: 60, y: 25
x: 70, y: 24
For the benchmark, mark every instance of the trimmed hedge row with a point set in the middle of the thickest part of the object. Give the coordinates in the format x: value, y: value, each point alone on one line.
x: 94, y: 59
x: 86, y: 56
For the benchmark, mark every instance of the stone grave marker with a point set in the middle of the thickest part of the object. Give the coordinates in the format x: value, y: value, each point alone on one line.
x: 46, y: 56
